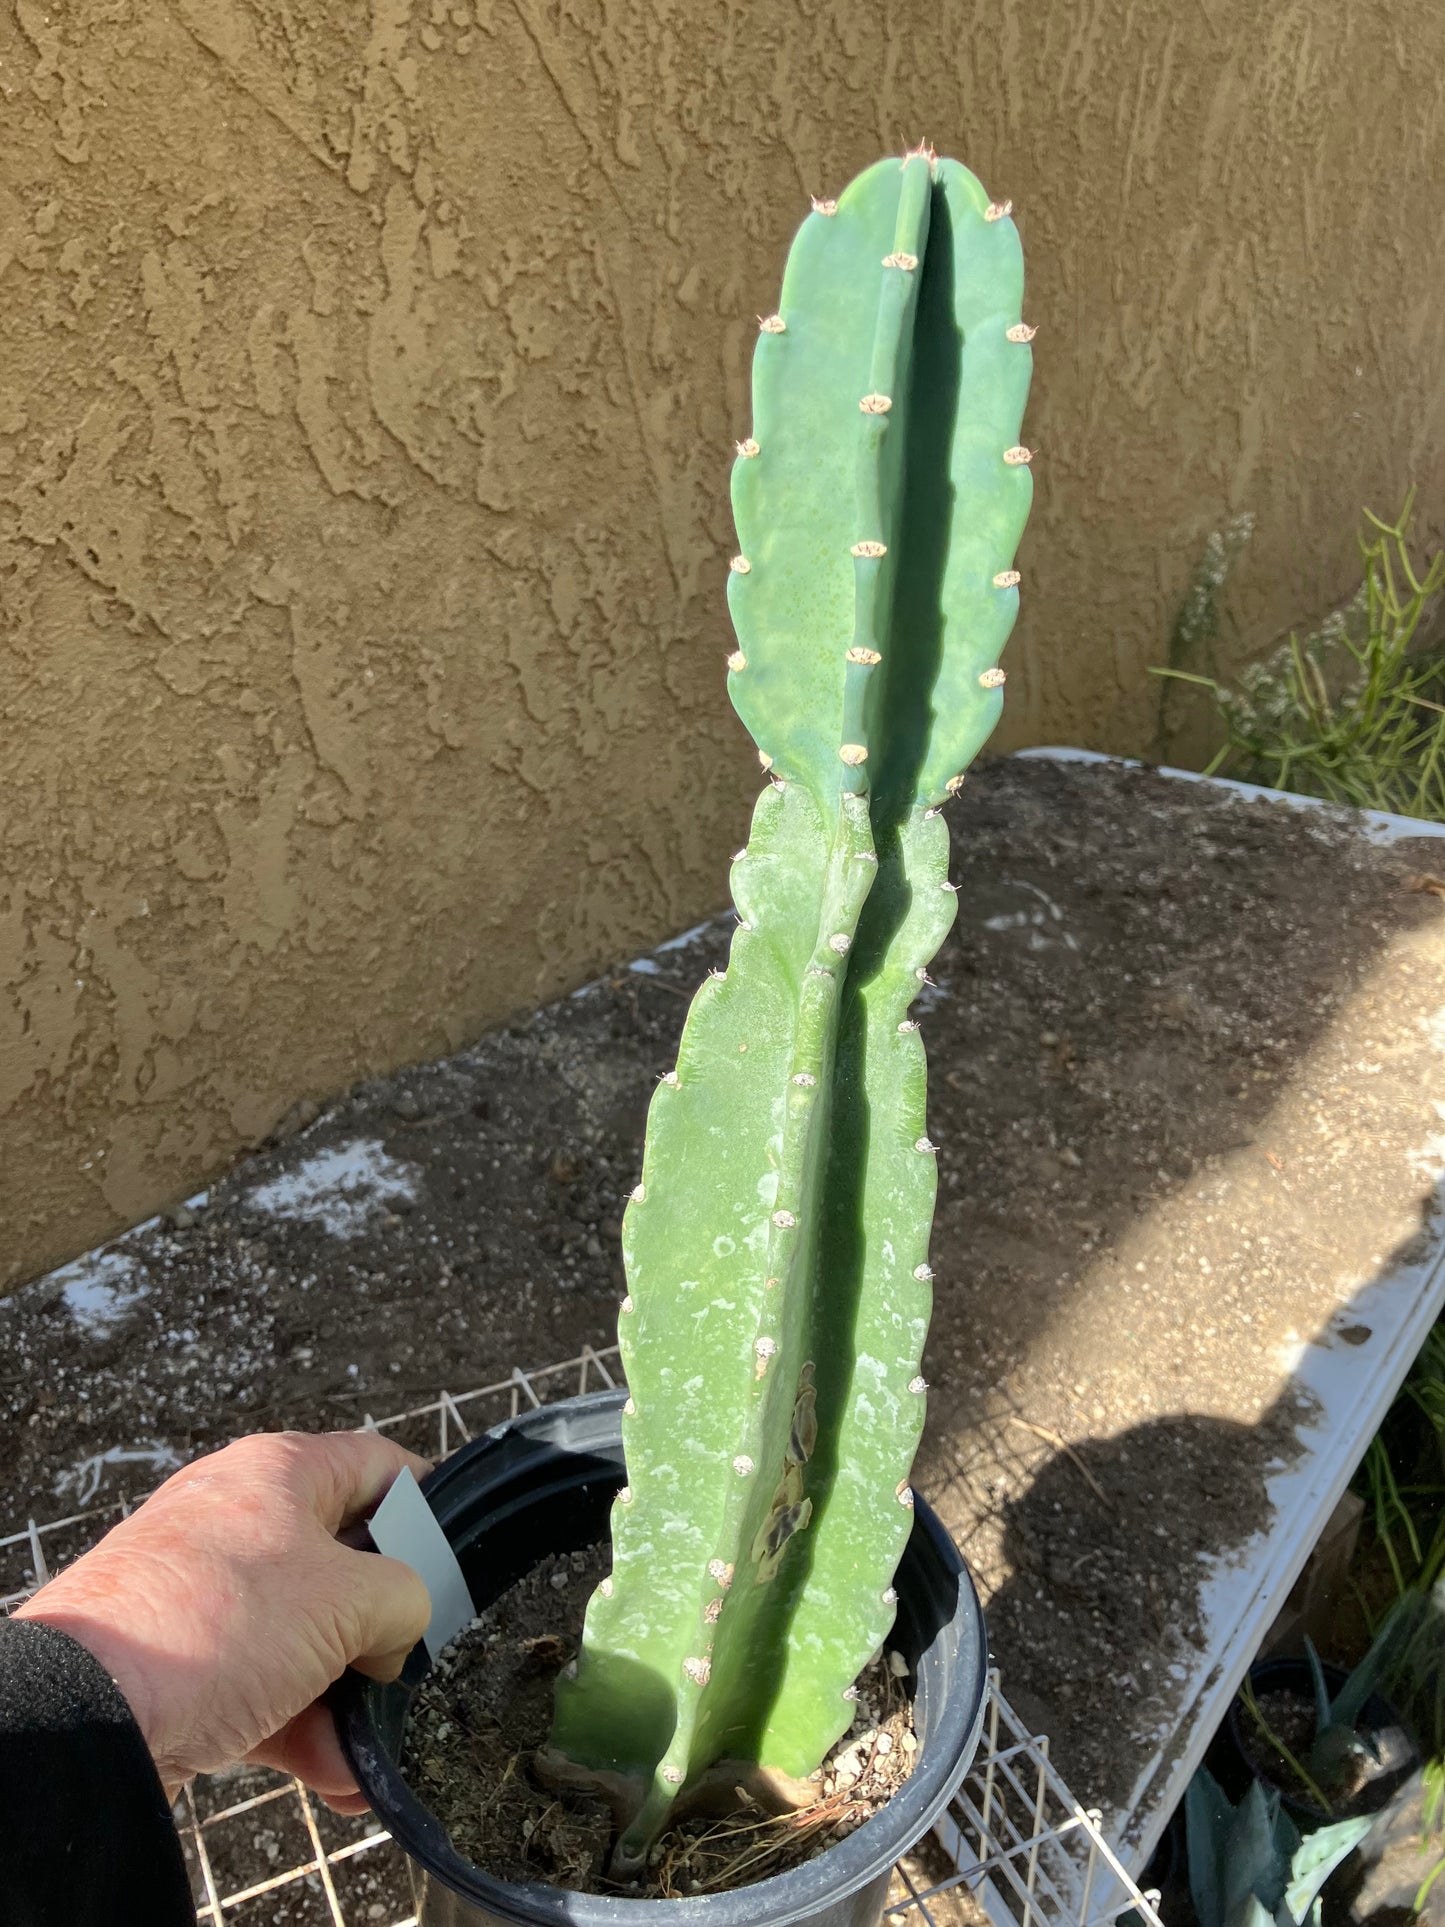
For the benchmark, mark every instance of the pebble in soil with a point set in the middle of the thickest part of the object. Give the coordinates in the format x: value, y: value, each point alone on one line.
x: 479, y: 1717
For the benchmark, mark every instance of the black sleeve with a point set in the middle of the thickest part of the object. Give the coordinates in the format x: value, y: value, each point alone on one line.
x: 85, y: 1833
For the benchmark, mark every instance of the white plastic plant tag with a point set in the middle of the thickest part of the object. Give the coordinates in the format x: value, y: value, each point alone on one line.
x: 404, y: 1527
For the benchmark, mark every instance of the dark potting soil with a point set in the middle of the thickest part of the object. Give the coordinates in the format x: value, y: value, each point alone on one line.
x: 1185, y: 1054
x: 1286, y: 1726
x: 478, y: 1719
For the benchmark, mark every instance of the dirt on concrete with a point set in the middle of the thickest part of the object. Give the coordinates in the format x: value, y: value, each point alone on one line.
x: 1182, y: 1051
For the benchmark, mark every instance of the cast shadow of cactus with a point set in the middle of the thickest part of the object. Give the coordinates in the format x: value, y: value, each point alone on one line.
x: 1101, y: 1533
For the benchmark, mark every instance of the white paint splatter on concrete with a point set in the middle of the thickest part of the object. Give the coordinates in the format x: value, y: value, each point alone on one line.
x: 645, y: 966
x: 84, y: 1480
x: 688, y: 936
x: 1039, y: 923
x: 1427, y: 1160
x: 98, y: 1289
x: 340, y: 1188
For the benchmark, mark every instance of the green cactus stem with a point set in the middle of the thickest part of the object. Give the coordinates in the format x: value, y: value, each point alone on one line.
x: 777, y: 1245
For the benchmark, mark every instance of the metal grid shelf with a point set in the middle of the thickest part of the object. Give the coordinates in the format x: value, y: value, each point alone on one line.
x: 1022, y: 1851
x: 1022, y: 1847
x: 29, y: 1555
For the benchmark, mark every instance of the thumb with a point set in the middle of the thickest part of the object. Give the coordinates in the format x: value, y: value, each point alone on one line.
x: 387, y: 1610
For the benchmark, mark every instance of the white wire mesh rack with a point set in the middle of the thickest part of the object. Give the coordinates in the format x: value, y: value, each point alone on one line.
x: 1015, y: 1847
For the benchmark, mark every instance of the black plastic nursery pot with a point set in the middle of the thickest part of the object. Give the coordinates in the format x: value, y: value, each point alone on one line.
x: 1166, y: 1872
x: 1379, y: 1724
x: 544, y: 1484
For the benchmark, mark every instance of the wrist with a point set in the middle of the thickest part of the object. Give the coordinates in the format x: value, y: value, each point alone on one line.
x: 91, y: 1622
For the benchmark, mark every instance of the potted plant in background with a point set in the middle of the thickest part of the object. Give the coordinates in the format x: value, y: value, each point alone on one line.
x: 1328, y: 1743
x: 765, y: 1540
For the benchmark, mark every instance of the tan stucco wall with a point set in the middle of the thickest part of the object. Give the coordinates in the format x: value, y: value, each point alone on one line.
x: 368, y: 375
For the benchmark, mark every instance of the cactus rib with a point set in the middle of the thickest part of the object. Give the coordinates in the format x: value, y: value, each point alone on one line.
x: 776, y: 1249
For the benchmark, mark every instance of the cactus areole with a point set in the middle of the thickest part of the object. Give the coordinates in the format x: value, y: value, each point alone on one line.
x: 777, y: 1246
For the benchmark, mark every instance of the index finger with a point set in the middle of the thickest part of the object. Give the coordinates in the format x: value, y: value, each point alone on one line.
x: 353, y: 1472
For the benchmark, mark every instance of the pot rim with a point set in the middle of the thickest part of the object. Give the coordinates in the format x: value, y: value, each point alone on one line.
x: 1281, y: 1672
x: 795, y: 1896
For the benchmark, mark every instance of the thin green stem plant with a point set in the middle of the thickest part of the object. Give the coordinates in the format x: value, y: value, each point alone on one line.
x: 1354, y: 712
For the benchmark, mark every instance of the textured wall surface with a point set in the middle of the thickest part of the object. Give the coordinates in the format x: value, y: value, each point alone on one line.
x: 368, y: 373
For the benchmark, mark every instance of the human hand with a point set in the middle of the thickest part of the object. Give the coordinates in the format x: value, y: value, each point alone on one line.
x: 225, y: 1606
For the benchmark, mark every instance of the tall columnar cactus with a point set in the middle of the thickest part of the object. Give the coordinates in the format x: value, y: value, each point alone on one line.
x: 777, y: 1246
